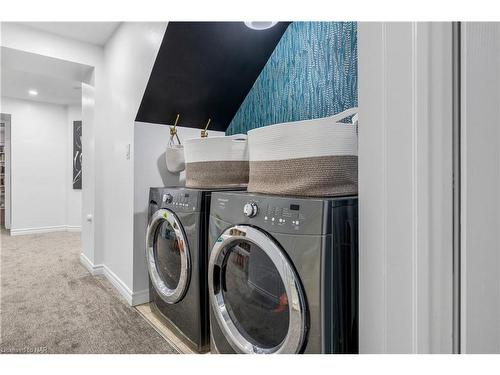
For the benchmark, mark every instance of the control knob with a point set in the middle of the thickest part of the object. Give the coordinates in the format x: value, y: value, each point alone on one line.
x: 250, y: 209
x: 167, y: 198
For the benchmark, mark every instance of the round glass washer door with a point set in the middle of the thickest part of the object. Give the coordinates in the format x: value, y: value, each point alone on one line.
x: 255, y: 293
x: 167, y: 256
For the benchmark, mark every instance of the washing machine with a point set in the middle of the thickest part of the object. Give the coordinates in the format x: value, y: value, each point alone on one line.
x: 177, y: 258
x: 283, y: 274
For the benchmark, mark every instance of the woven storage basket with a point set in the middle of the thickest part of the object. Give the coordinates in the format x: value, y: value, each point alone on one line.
x: 216, y: 162
x: 174, y: 157
x: 307, y: 158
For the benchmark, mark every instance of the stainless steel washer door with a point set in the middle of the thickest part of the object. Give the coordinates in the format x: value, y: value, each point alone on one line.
x: 167, y: 256
x: 255, y: 293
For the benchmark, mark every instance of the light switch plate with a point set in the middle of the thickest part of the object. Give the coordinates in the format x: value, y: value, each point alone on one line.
x: 127, y: 154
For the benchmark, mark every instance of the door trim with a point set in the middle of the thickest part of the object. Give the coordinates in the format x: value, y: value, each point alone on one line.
x: 456, y: 120
x: 405, y: 187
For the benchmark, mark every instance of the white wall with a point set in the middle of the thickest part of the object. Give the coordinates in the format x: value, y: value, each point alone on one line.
x: 150, y: 170
x: 128, y: 60
x: 480, y: 244
x: 39, y: 149
x: 73, y: 196
x: 405, y: 187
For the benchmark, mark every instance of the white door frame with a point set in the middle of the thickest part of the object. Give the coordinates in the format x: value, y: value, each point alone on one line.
x: 480, y: 181
x: 405, y: 187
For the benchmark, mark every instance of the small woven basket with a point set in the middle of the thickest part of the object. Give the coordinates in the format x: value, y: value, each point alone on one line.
x: 217, y: 162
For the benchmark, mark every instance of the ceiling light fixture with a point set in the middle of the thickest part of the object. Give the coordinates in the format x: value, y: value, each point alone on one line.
x: 260, y: 25
x: 33, y: 92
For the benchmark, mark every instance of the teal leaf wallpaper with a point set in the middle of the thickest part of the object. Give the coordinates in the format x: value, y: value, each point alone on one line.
x: 312, y: 73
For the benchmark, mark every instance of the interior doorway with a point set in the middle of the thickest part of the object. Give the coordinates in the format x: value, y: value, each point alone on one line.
x: 43, y: 148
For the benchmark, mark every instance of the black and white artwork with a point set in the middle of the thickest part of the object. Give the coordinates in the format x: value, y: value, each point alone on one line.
x: 77, y: 155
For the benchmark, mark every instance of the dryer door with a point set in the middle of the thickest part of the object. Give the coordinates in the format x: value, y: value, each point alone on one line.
x: 167, y: 256
x: 255, y: 293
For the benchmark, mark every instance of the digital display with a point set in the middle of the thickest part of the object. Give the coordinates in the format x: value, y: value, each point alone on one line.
x: 186, y: 195
x: 294, y: 207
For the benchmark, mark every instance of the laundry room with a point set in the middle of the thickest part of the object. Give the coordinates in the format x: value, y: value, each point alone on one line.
x: 259, y: 64
x: 206, y: 186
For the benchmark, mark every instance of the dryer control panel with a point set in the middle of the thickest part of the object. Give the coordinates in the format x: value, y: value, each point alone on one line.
x: 274, y: 214
x: 287, y: 215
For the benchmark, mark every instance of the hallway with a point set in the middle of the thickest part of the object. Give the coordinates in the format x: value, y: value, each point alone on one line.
x: 51, y: 304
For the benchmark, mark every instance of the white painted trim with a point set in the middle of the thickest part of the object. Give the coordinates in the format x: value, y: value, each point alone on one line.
x: 132, y: 298
x: 50, y: 229
x: 385, y: 199
x: 405, y: 187
x: 415, y: 156
x: 463, y: 190
x: 93, y: 269
x: 140, y: 297
x: 480, y: 182
x: 119, y: 285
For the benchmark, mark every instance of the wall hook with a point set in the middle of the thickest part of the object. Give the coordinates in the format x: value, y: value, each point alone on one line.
x: 173, y: 130
x: 204, y: 132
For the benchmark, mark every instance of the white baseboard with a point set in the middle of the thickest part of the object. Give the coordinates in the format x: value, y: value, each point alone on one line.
x: 55, y: 228
x: 140, y: 297
x: 132, y: 298
x: 94, y: 269
x: 118, y: 284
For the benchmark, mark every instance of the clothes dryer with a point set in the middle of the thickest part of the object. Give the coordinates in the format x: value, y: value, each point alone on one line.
x: 283, y: 274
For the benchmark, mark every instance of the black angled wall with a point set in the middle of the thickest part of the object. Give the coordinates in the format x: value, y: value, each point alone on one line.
x: 205, y: 70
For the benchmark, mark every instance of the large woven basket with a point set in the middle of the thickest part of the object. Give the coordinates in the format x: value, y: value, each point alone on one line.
x: 217, y: 162
x: 308, y: 158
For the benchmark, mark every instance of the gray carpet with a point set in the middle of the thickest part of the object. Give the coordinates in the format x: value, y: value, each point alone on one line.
x: 51, y: 304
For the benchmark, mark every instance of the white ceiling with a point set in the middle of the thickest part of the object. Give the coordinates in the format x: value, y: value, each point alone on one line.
x: 96, y: 33
x: 16, y: 84
x: 57, y: 81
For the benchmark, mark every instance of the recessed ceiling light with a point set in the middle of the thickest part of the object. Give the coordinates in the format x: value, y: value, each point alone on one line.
x: 33, y: 92
x: 260, y: 25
